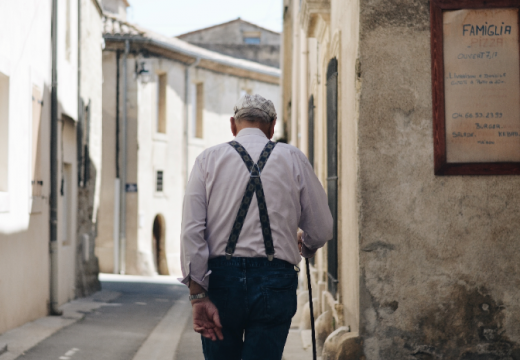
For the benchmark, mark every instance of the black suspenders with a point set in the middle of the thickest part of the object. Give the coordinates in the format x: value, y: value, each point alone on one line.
x: 254, y: 185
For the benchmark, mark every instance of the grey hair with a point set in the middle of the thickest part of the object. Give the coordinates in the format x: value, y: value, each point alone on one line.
x: 253, y: 115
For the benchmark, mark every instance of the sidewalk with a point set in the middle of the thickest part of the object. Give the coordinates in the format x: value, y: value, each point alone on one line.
x: 17, y: 341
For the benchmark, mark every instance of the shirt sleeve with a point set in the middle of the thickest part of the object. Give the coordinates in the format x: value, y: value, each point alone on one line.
x: 316, y: 218
x: 194, y: 248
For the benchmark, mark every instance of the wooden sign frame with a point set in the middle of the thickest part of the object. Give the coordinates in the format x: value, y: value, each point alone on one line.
x: 442, y: 167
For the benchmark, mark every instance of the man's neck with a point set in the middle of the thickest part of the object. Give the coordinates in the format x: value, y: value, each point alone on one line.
x: 253, y: 125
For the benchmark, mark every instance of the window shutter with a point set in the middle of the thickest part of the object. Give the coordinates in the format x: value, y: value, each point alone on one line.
x: 332, y: 171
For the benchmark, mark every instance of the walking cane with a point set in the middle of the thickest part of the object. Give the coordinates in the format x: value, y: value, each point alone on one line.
x: 312, y: 309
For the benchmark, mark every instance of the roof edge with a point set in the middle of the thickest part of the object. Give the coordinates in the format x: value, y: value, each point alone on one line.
x: 226, y: 23
x: 269, y: 71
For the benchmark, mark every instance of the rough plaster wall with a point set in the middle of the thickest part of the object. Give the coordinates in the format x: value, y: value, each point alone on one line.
x: 344, y: 17
x: 88, y: 196
x: 104, y: 240
x: 439, y: 255
x: 24, y: 232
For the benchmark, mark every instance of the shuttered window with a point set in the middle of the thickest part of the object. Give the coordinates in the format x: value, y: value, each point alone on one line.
x: 161, y: 103
x: 4, y: 130
x: 310, y: 149
x: 332, y: 171
x: 199, y: 112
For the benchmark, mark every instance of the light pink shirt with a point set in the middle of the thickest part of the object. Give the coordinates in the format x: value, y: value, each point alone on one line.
x: 293, y: 193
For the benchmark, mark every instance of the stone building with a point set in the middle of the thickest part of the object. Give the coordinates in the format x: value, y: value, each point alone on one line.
x: 49, y: 155
x: 240, y: 39
x: 421, y: 266
x: 179, y: 101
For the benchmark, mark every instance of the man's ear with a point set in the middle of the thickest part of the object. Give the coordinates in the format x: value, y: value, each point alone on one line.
x: 233, y: 126
x: 271, y: 128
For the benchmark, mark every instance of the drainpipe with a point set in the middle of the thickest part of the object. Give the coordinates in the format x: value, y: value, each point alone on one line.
x: 53, y: 200
x: 187, y: 99
x: 79, y: 125
x: 122, y: 185
x: 117, y: 181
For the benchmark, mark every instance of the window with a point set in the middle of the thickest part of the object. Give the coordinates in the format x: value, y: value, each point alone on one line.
x: 4, y: 130
x: 159, y: 181
x: 199, y: 112
x: 68, y: 36
x: 161, y: 103
x: 252, y: 40
x: 36, y: 177
x: 332, y: 171
x: 252, y: 37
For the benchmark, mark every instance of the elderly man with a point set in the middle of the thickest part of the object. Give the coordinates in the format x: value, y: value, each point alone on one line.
x: 244, y: 203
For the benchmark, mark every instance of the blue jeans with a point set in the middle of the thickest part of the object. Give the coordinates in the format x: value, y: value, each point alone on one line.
x: 256, y: 300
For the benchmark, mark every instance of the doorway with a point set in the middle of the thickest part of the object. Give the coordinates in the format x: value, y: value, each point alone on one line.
x: 158, y: 245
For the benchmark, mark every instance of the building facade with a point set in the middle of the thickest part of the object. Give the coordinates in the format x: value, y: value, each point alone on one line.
x: 240, y: 39
x: 421, y: 266
x: 180, y: 98
x: 44, y: 241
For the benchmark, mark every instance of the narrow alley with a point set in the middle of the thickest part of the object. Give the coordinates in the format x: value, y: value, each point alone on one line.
x: 186, y: 175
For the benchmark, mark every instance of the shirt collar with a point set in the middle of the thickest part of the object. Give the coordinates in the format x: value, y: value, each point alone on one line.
x: 251, y: 131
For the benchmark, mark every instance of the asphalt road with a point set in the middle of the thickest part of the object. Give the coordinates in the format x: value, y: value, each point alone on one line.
x: 115, y: 331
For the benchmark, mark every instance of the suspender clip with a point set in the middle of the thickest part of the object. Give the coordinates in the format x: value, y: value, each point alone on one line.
x: 257, y: 170
x: 270, y: 257
x: 229, y: 256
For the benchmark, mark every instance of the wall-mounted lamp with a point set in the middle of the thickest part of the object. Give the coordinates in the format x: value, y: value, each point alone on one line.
x: 142, y: 71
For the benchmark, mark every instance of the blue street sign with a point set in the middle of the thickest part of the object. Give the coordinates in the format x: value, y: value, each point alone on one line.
x: 131, y: 188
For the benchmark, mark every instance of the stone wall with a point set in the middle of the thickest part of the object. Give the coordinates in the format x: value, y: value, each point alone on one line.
x: 438, y: 255
x: 89, y: 189
x: 228, y: 39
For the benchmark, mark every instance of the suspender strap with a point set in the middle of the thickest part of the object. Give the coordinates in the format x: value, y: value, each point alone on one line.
x: 253, y: 186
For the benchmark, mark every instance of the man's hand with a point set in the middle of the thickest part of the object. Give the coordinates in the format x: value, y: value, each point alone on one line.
x: 304, y: 250
x: 300, y: 241
x: 206, y: 320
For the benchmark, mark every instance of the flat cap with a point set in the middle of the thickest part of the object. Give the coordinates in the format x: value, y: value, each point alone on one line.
x: 255, y: 102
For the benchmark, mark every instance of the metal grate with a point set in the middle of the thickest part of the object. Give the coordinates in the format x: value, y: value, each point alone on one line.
x: 332, y: 171
x: 159, y: 181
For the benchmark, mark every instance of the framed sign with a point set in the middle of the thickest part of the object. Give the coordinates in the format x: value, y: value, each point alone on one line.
x: 476, y: 86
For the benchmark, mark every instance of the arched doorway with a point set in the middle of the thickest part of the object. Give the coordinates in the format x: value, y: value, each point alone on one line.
x: 158, y: 245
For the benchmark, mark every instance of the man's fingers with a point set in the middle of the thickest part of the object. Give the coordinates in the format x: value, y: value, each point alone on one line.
x: 216, y: 319
x: 218, y: 331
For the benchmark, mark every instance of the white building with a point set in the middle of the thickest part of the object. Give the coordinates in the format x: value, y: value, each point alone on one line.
x: 180, y: 100
x: 26, y: 153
